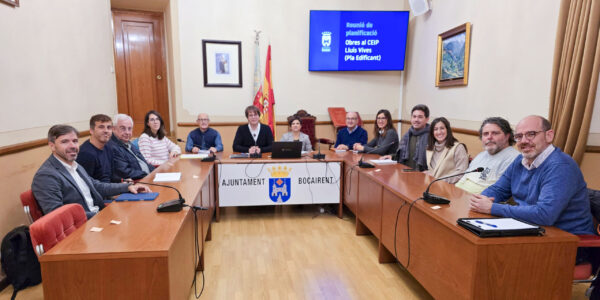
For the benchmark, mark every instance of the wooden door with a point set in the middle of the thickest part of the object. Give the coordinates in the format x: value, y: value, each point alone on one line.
x: 140, y: 65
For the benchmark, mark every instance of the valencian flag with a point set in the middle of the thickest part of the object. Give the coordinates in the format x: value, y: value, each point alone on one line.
x: 265, y: 99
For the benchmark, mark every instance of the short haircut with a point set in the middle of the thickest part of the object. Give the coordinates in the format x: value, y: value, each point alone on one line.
x: 98, y: 118
x: 421, y: 107
x: 294, y: 118
x: 252, y: 108
x: 58, y: 130
x: 450, y: 139
x: 119, y: 117
x: 160, y: 134
x: 504, y: 126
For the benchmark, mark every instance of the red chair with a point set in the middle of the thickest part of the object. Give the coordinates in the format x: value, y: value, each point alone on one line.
x: 30, y: 206
x: 52, y: 228
x: 338, y: 117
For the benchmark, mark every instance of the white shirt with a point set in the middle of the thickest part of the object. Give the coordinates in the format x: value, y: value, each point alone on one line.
x: 539, y: 159
x: 83, y: 187
x: 254, y: 133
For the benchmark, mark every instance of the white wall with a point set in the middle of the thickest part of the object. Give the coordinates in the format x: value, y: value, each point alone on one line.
x: 512, y: 48
x: 285, y: 24
x: 55, y: 66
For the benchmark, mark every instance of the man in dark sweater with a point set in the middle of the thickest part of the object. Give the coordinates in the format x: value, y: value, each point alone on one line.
x: 413, y: 145
x: 203, y: 137
x: 94, y: 154
x: 352, y: 134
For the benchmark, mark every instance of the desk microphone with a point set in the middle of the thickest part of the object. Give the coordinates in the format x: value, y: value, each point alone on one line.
x: 362, y: 164
x: 173, y: 205
x: 435, y: 199
x: 211, y: 156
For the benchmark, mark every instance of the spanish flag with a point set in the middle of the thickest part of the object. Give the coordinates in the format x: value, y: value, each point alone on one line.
x: 265, y: 99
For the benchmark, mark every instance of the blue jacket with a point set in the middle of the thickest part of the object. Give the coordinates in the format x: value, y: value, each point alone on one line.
x: 359, y: 135
x: 553, y: 194
x: 204, y: 140
x: 125, y: 165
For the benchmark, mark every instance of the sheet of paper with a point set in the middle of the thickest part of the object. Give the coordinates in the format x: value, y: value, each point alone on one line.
x: 96, y: 229
x: 383, y: 161
x: 340, y: 151
x: 194, y: 156
x: 115, y: 222
x: 500, y: 224
x: 167, y: 177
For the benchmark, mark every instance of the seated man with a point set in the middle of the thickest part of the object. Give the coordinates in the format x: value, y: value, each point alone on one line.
x: 546, y: 184
x: 412, y: 150
x: 129, y: 163
x: 203, y: 137
x: 497, y: 138
x: 95, y: 156
x: 60, y: 181
x: 352, y: 134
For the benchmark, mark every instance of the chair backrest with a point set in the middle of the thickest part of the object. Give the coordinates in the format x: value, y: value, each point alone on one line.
x: 338, y: 117
x: 50, y: 229
x: 308, y: 128
x: 30, y: 206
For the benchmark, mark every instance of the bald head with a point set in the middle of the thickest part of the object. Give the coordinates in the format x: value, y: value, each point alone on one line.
x: 351, y: 119
x: 203, y: 121
x: 533, y: 135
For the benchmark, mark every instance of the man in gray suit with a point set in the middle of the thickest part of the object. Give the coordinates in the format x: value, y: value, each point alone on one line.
x: 61, y: 181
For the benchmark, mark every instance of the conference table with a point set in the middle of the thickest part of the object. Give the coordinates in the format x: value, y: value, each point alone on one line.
x: 150, y: 255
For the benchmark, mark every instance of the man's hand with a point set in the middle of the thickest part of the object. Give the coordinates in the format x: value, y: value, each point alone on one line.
x: 358, y: 147
x: 139, y: 188
x: 212, y: 149
x: 341, y: 147
x: 195, y: 150
x: 386, y: 157
x: 481, y: 204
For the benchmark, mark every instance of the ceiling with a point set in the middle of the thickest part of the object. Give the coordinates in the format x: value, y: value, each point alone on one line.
x: 148, y: 5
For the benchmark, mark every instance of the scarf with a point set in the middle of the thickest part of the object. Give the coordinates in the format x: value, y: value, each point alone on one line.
x: 422, y: 140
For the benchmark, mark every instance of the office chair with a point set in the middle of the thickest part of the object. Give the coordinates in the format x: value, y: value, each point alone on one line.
x: 52, y: 228
x: 30, y: 206
x: 583, y: 273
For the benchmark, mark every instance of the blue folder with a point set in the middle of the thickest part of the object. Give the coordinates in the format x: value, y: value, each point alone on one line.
x: 137, y: 197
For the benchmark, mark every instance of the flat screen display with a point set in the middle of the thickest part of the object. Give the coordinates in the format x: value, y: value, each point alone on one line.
x: 357, y: 40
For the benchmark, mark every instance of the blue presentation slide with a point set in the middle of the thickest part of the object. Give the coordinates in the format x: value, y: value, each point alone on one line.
x: 357, y: 40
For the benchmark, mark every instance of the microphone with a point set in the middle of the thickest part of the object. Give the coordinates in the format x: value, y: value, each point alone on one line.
x: 362, y: 164
x: 435, y: 199
x: 209, y: 158
x: 173, y: 205
x: 320, y: 155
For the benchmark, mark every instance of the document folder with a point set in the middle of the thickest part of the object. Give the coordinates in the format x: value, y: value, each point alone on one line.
x: 499, y: 227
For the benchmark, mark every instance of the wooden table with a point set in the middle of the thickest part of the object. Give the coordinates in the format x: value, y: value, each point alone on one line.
x: 266, y: 160
x: 149, y: 255
x: 449, y: 261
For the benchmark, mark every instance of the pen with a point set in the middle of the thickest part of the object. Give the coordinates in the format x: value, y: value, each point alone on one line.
x: 488, y: 224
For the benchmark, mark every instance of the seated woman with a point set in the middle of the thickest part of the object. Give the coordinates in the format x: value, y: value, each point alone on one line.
x: 254, y: 138
x: 296, y: 134
x: 386, y: 138
x: 445, y: 155
x: 154, y: 145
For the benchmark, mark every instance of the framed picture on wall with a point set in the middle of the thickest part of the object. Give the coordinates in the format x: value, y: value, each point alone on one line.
x: 222, y: 63
x: 453, y: 56
x: 11, y: 2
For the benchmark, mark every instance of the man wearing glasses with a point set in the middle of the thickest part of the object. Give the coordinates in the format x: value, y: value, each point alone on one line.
x: 546, y: 184
x: 128, y: 162
x: 352, y: 134
x: 203, y: 137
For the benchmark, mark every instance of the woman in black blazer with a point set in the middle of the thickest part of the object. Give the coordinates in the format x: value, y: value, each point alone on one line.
x: 253, y: 138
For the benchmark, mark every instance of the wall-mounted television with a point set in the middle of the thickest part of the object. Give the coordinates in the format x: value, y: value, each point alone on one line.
x: 357, y: 40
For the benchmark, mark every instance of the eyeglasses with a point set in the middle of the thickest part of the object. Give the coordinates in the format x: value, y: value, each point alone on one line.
x: 351, y: 118
x: 381, y: 118
x: 529, y: 135
x: 203, y: 120
x: 154, y: 120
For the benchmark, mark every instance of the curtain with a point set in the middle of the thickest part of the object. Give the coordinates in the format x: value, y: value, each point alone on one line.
x: 575, y: 75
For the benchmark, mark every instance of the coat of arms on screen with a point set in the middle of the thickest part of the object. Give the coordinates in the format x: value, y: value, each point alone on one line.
x: 279, y: 184
x: 326, y: 41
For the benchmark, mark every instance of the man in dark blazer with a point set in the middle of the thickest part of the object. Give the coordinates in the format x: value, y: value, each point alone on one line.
x: 128, y: 161
x: 254, y: 138
x: 60, y: 180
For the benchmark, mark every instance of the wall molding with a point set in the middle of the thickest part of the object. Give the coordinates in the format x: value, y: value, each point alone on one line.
x: 31, y: 144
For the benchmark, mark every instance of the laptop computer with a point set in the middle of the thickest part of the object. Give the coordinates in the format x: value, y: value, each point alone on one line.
x: 286, y: 150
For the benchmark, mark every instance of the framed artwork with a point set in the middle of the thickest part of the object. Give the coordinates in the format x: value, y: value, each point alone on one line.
x: 11, y: 2
x: 222, y: 63
x: 453, y: 56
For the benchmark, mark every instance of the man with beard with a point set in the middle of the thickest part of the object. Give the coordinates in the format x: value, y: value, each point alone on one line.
x: 546, y: 184
x: 60, y: 181
x: 95, y: 156
x: 413, y: 145
x: 497, y: 138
